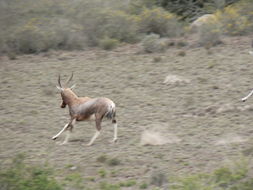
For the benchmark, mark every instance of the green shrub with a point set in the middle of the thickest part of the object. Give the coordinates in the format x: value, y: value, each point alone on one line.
x: 102, y: 158
x: 102, y: 173
x: 158, y: 178
x: 159, y: 21
x: 38, y: 35
x: 209, y: 35
x: 22, y: 177
x: 113, y: 162
x: 237, y: 18
x: 144, y: 186
x: 108, y: 43
x: 152, y: 43
x: 113, y: 24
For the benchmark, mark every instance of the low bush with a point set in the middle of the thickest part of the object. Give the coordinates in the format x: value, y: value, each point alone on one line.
x: 237, y: 18
x: 38, y: 35
x: 108, y: 43
x: 116, y: 25
x: 209, y: 35
x: 152, y: 43
x: 159, y: 21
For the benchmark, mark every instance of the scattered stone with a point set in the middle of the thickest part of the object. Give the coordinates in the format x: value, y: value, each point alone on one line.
x: 175, y: 79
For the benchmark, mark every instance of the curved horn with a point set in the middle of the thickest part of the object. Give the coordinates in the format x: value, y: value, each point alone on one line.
x: 70, y: 78
x: 59, y: 81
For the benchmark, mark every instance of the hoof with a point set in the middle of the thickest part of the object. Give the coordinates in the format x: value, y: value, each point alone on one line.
x: 54, y: 138
x: 114, y: 140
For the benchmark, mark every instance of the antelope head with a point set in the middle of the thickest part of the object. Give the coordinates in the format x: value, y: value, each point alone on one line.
x: 66, y: 93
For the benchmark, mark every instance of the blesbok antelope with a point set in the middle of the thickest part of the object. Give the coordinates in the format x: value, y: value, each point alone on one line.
x: 85, y: 108
x: 246, y: 97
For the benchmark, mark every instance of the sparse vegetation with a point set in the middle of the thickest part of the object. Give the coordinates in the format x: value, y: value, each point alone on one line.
x: 233, y: 177
x: 24, y: 177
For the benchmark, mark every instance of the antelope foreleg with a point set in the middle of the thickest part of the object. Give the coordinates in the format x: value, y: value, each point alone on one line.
x: 63, y: 129
x: 58, y: 134
x: 245, y: 98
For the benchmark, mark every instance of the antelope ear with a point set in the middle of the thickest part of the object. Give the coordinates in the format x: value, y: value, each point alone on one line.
x: 73, y: 86
x: 59, y: 88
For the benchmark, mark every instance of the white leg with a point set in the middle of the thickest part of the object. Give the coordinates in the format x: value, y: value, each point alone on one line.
x: 63, y: 129
x: 245, y: 98
x: 93, y: 138
x: 66, y: 140
x: 115, y: 137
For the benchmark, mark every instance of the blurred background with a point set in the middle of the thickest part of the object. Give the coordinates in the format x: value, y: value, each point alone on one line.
x: 176, y: 70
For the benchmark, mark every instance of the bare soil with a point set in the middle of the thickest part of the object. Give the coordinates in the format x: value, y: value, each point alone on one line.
x: 199, y: 119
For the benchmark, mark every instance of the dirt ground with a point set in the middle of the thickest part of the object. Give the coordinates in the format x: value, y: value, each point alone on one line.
x: 177, y: 114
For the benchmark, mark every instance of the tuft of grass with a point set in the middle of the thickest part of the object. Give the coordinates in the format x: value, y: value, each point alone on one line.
x: 181, y: 53
x: 143, y: 186
x: 153, y: 44
x: 102, y: 173
x: 91, y: 178
x: 159, y: 21
x: 157, y: 59
x: 113, y: 162
x: 12, y: 55
x: 102, y: 158
x: 108, y: 43
x: 106, y: 186
x: 158, y: 178
x: 75, y: 180
x: 128, y: 183
x: 182, y: 44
